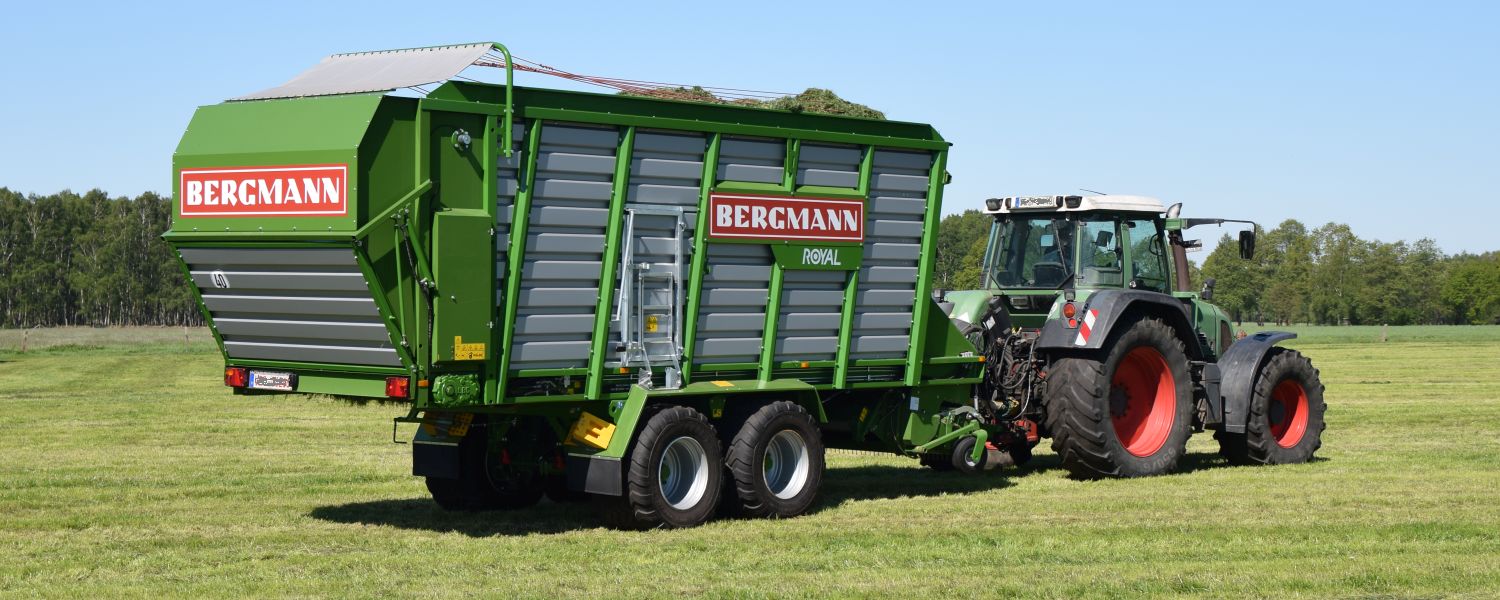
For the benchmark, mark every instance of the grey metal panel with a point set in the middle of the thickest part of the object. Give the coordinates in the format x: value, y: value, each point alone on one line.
x: 576, y: 163
x: 888, y: 274
x: 346, y: 282
x: 747, y: 321
x: 555, y: 352
x: 294, y: 304
x: 799, y: 321
x: 881, y: 344
x: 750, y: 173
x: 665, y: 168
x: 799, y: 297
x: 574, y: 190
x: 813, y: 348
x: 722, y: 272
x: 559, y: 286
x: 833, y: 166
x: 553, y: 324
x: 320, y: 330
x: 645, y: 193
x: 752, y: 160
x: 722, y: 349
x: 569, y: 216
x: 878, y: 320
x: 893, y: 227
x: 734, y: 297
x: 215, y: 258
x: 385, y: 357
x: 558, y: 297
x: 563, y: 242
x: 555, y: 270
x: 291, y: 305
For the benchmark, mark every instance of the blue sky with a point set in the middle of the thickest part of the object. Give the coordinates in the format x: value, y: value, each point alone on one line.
x: 1385, y: 116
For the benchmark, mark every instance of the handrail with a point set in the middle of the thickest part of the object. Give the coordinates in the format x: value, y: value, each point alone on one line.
x: 509, y: 97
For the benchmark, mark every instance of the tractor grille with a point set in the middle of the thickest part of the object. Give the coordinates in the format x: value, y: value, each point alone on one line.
x: 292, y: 304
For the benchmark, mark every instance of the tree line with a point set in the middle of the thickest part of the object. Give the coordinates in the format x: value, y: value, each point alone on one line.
x: 71, y: 259
x: 1325, y: 276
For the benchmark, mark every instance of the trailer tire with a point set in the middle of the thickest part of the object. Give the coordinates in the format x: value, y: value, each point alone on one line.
x: 1285, y: 424
x: 483, y: 485
x: 673, y: 474
x: 1126, y: 411
x: 776, y: 461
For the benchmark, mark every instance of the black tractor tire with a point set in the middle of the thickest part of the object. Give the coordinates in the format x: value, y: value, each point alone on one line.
x: 961, y: 461
x: 1125, y: 411
x: 655, y: 494
x: 776, y: 462
x: 1015, y: 455
x: 1285, y: 423
x: 484, y: 483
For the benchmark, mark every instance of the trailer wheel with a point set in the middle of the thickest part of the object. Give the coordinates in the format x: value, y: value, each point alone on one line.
x: 1285, y: 424
x: 1125, y: 412
x: 776, y: 460
x: 673, y: 477
x: 485, y: 482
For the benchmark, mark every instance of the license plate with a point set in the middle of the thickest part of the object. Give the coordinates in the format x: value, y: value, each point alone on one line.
x: 1033, y: 202
x: 271, y: 380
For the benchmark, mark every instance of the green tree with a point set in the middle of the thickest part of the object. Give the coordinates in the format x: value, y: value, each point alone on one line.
x: 1237, y: 282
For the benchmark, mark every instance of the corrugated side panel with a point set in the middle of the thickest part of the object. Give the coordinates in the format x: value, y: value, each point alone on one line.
x: 509, y: 175
x: 827, y: 165
x: 292, y: 304
x: 732, y: 313
x: 893, y: 243
x: 666, y: 170
x: 751, y: 159
x: 812, y: 305
x: 564, y: 247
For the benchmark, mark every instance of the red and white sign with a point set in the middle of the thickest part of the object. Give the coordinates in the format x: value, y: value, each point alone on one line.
x: 738, y: 216
x: 290, y: 191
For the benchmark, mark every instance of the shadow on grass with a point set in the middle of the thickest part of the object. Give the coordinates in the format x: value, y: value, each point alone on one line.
x: 840, y: 485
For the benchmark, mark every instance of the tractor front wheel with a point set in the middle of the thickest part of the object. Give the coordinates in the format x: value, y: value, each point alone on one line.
x: 1124, y: 412
x: 1285, y: 424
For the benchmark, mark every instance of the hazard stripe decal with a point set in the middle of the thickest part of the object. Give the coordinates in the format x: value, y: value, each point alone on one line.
x: 1085, y: 327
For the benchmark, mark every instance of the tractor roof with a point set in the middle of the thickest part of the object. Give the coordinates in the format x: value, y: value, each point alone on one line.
x: 1044, y: 204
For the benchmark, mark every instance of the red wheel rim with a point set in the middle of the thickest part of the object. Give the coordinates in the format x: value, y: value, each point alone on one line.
x: 1288, y: 413
x: 1143, y: 401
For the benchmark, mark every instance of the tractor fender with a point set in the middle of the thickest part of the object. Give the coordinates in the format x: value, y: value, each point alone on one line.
x: 1108, y: 308
x: 1237, y: 370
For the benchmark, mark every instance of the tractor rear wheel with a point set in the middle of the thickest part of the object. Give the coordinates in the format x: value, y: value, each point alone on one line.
x: 673, y: 474
x: 1124, y: 412
x: 776, y: 461
x: 1285, y: 423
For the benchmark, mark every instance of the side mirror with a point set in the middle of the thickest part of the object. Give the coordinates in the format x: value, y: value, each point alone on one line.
x: 1102, y: 240
x: 1247, y: 244
x: 1174, y: 210
x: 1208, y: 289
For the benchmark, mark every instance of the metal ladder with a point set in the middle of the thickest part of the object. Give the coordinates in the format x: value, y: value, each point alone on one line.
x: 650, y: 330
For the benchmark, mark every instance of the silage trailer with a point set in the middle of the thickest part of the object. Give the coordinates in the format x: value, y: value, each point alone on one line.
x: 667, y: 308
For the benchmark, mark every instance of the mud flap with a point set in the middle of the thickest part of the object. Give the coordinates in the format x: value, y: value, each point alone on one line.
x: 435, y: 447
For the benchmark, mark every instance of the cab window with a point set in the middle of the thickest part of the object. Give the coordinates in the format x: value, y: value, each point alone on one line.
x: 1148, y: 261
x: 1100, y: 259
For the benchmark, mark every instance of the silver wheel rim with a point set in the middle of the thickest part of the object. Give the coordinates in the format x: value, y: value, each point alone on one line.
x: 683, y: 473
x: 786, y: 464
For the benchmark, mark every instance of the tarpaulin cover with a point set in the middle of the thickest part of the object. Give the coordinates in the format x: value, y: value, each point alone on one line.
x: 381, y: 71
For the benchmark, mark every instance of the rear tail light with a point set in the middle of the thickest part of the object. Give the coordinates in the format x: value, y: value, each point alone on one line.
x: 397, y: 387
x: 1069, y: 310
x: 236, y: 376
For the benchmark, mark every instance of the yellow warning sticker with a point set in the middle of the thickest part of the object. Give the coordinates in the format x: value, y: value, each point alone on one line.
x: 725, y: 384
x: 651, y: 324
x: 470, y: 351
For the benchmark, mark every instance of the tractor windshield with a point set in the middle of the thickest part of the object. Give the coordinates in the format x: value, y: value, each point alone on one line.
x: 1029, y: 252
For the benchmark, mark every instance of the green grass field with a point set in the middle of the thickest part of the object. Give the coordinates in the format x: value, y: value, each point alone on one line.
x: 128, y: 470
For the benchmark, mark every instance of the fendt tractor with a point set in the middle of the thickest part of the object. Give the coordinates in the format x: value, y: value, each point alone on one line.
x: 671, y: 309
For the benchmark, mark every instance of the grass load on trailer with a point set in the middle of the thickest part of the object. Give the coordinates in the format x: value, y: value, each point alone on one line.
x: 671, y: 309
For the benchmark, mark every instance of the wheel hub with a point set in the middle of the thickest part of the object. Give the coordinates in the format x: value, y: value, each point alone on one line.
x: 683, y: 473
x: 786, y: 464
